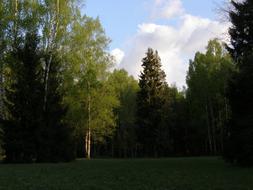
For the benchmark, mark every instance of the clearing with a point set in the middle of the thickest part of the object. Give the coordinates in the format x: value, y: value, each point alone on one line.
x: 203, y: 173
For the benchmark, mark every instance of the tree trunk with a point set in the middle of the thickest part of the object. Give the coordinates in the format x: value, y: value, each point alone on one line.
x: 88, y: 144
x: 213, y: 128
x: 15, y: 26
x: 112, y: 148
x: 88, y: 133
x: 1, y: 92
x: 51, y: 43
x: 209, y: 131
x: 221, y: 132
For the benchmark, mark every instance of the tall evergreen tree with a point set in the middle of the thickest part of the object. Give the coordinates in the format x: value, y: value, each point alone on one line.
x: 241, y: 31
x: 54, y: 137
x: 239, y: 139
x: 149, y: 102
x: 24, y: 100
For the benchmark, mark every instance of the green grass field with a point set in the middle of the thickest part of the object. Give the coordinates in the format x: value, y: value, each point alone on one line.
x: 141, y: 174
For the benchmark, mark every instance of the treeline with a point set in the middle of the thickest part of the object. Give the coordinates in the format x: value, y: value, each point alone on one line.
x: 60, y: 99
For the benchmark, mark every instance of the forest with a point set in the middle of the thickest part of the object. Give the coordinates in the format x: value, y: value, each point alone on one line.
x: 61, y: 97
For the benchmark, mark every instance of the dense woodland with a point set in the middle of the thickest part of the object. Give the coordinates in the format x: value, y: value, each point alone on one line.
x: 60, y: 97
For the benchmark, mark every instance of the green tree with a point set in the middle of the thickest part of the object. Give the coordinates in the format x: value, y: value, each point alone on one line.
x: 90, y: 99
x: 241, y: 17
x: 207, y: 81
x: 19, y: 17
x: 238, y: 147
x: 3, y: 47
x: 239, y: 144
x: 55, y: 140
x: 172, y: 131
x: 24, y: 17
x: 55, y: 19
x: 24, y: 100
x: 1, y: 141
x: 126, y: 88
x: 149, y: 102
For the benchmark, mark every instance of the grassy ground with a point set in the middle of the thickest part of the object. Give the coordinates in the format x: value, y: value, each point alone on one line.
x: 141, y: 174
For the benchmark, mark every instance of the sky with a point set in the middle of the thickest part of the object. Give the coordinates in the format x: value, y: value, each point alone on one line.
x: 177, y: 29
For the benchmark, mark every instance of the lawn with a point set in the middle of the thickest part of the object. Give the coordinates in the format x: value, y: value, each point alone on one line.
x: 141, y: 174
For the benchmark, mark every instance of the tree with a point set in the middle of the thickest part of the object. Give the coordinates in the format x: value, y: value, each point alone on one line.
x: 241, y: 17
x: 90, y: 99
x: 238, y: 147
x: 126, y: 88
x: 1, y: 140
x: 24, y: 100
x: 55, y: 138
x: 19, y: 19
x: 56, y: 18
x: 149, y: 102
x: 9, y: 31
x: 239, y: 144
x: 207, y: 81
x: 3, y: 47
x: 172, y: 134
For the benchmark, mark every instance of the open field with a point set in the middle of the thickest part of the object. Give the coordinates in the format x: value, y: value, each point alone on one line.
x: 142, y: 174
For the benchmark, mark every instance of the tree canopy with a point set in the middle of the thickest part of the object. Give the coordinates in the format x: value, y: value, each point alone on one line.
x: 239, y: 144
x: 62, y: 96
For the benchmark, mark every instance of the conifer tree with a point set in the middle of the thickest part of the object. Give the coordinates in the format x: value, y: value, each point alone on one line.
x: 241, y: 32
x: 55, y: 138
x: 24, y: 100
x: 239, y: 139
x: 149, y: 102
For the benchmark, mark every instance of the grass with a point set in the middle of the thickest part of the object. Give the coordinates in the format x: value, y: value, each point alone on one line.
x: 142, y: 174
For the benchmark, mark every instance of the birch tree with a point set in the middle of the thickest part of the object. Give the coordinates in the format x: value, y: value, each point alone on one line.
x: 90, y: 99
x: 207, y: 81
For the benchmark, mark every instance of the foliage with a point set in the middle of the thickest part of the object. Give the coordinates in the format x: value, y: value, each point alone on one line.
x: 90, y: 98
x: 241, y: 17
x: 54, y: 137
x: 126, y: 88
x: 30, y: 76
x: 239, y: 143
x: 149, y: 101
x: 207, y: 81
x: 59, y: 96
x: 1, y: 142
x: 25, y: 113
x: 172, y: 133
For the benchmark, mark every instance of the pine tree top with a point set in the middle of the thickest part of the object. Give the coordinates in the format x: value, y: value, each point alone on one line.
x: 241, y: 31
x: 152, y: 74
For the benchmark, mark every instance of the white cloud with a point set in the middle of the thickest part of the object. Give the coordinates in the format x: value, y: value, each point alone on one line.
x: 167, y: 9
x: 175, y: 45
x: 118, y: 55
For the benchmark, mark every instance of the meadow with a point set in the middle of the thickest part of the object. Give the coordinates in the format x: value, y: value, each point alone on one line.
x: 205, y: 173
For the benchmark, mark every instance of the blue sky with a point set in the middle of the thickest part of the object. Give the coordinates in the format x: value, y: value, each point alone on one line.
x: 120, y: 18
x: 176, y: 28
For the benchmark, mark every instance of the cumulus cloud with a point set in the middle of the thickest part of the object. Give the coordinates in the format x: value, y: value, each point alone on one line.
x: 167, y: 9
x: 175, y: 45
x: 118, y: 55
